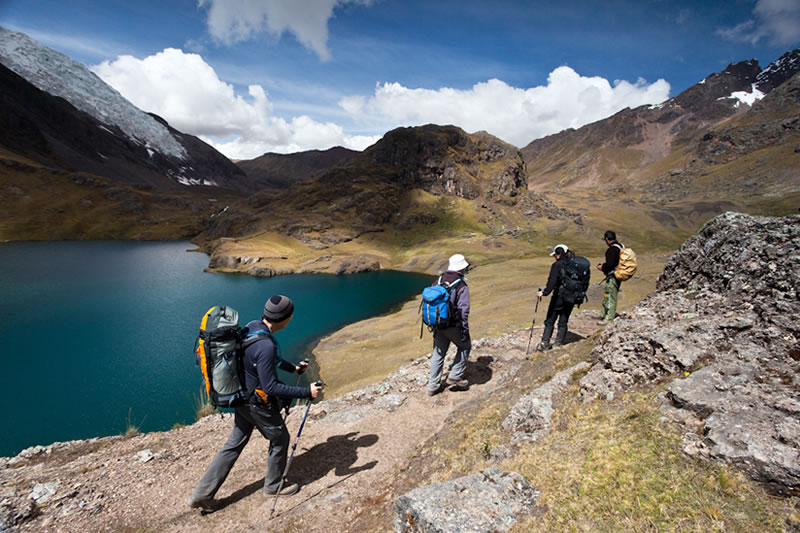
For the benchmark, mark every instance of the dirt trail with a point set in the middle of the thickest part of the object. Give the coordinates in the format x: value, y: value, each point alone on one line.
x: 350, y: 450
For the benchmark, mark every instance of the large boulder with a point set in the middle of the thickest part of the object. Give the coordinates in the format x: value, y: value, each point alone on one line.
x: 488, y: 501
x: 723, y: 330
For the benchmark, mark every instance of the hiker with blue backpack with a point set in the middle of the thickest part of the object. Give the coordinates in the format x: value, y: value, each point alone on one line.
x: 567, y: 282
x: 260, y: 409
x: 449, y: 322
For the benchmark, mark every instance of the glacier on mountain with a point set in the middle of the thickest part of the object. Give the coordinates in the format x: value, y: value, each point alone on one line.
x: 57, y: 74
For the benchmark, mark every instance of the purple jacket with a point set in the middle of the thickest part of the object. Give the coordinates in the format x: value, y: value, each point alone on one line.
x: 459, y: 298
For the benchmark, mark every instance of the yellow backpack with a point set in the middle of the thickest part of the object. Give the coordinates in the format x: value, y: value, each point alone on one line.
x: 627, y: 263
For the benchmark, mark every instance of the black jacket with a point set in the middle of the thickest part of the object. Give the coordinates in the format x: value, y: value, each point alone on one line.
x: 612, y: 258
x: 554, y: 279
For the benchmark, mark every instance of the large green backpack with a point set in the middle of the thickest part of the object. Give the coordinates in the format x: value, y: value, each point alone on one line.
x: 219, y: 352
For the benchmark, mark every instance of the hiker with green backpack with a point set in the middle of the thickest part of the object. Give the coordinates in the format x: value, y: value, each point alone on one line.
x: 260, y: 407
x: 449, y: 325
x: 620, y: 265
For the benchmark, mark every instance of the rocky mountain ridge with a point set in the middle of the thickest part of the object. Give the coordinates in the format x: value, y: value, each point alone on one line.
x: 78, y: 123
x: 281, y: 171
x: 636, y: 149
x: 421, y: 182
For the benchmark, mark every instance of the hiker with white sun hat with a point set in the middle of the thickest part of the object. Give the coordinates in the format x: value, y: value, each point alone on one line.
x: 457, y: 331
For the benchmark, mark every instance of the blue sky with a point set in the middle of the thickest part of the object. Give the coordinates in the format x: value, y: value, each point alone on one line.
x: 254, y: 76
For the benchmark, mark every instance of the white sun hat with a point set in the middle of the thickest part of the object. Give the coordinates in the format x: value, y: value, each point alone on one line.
x: 457, y: 263
x: 562, y: 246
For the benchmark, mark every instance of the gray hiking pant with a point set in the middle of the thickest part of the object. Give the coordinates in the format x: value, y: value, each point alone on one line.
x: 270, y: 424
x: 441, y: 342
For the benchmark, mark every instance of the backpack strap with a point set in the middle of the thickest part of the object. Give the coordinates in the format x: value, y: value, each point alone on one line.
x: 449, y: 286
x: 253, y: 337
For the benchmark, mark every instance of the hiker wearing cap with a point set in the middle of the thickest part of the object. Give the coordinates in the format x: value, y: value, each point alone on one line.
x: 558, y: 309
x: 457, y: 332
x: 609, y: 310
x: 261, y: 411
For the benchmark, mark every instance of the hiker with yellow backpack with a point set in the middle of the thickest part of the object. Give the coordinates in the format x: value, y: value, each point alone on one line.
x: 620, y: 266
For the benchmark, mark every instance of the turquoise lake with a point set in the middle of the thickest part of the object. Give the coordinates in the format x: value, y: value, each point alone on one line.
x: 100, y: 334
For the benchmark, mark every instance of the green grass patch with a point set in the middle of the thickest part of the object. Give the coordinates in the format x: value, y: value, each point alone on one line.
x: 616, y: 466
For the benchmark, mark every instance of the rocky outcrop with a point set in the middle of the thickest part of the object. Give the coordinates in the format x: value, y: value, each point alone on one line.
x: 723, y: 327
x: 484, y: 502
x: 447, y: 160
x: 530, y: 417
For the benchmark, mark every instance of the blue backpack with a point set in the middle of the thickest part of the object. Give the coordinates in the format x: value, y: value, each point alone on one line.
x: 435, y: 306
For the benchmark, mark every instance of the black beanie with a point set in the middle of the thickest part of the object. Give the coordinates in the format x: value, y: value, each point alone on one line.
x: 278, y: 308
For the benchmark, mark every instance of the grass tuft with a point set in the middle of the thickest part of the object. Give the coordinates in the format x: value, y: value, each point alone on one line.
x: 203, y: 406
x: 131, y: 427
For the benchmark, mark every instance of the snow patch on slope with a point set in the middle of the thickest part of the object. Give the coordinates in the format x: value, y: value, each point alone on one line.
x: 57, y: 74
x: 745, y: 97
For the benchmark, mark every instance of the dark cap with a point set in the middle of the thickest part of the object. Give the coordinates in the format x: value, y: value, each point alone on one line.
x: 278, y: 308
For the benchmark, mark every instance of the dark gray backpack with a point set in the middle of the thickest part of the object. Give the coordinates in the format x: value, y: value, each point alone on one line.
x: 575, y: 276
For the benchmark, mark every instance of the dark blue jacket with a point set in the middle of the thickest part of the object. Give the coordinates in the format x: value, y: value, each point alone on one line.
x: 261, y: 363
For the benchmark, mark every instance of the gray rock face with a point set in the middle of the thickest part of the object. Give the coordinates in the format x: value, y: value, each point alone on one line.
x: 484, y: 502
x: 724, y: 328
x: 530, y: 417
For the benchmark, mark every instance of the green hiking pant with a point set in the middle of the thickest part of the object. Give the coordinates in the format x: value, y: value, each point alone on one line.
x: 610, y: 299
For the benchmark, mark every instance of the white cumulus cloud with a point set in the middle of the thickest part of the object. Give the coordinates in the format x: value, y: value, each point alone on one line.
x: 186, y: 91
x: 516, y: 115
x: 231, y: 21
x: 777, y: 21
x: 182, y: 88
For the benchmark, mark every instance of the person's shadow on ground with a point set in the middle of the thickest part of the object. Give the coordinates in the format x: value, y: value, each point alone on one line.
x: 479, y: 371
x: 572, y: 337
x: 339, y: 453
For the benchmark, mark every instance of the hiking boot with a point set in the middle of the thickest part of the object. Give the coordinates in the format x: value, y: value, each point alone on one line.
x: 286, y: 490
x: 206, y: 505
x: 556, y: 344
x: 458, y: 383
x: 543, y: 347
x: 434, y: 392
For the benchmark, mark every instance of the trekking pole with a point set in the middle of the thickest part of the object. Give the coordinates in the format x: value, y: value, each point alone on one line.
x: 527, y: 351
x: 296, y: 382
x: 291, y: 456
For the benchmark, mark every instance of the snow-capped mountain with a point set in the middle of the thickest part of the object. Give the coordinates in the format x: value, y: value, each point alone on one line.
x: 57, y: 74
x: 128, y: 143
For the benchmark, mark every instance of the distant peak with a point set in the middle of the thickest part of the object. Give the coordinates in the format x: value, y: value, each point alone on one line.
x: 83, y: 89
